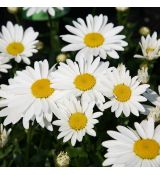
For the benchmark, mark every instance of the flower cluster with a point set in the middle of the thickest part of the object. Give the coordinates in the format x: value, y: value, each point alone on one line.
x: 74, y: 94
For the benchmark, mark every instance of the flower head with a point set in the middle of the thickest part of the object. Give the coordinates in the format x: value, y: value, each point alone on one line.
x: 30, y: 96
x: 17, y: 43
x: 82, y: 78
x: 94, y: 37
x: 75, y: 119
x: 150, y: 47
x: 137, y: 148
x: 124, y: 92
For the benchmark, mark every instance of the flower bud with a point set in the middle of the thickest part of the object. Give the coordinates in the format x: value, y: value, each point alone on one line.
x: 122, y: 9
x: 39, y: 45
x: 62, y: 57
x: 3, y: 136
x: 144, y: 31
x: 12, y: 10
x: 63, y: 159
x: 143, y: 76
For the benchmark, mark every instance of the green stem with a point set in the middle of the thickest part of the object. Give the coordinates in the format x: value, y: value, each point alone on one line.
x: 42, y: 140
x: 54, y: 38
x: 17, y: 18
x: 28, y: 146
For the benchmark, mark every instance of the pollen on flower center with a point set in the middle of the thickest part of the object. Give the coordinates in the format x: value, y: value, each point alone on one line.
x: 146, y: 148
x: 77, y: 121
x: 122, y: 92
x: 93, y: 40
x: 85, y: 82
x: 15, y: 48
x: 41, y: 88
x: 149, y: 50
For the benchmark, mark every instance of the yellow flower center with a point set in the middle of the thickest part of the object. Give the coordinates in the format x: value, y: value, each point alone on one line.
x: 77, y: 121
x: 149, y: 50
x: 93, y: 40
x: 146, y: 148
x: 85, y: 82
x: 41, y: 88
x: 15, y: 48
x: 122, y: 92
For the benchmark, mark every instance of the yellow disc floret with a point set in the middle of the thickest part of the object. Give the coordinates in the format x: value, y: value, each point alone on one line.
x: 78, y: 121
x: 149, y: 50
x: 84, y: 82
x: 122, y: 92
x: 41, y: 88
x: 94, y: 40
x: 15, y: 48
x: 146, y: 148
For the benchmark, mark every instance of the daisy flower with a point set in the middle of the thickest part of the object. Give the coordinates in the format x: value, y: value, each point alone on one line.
x: 94, y: 37
x: 30, y: 96
x: 134, y: 148
x: 75, y: 119
x: 17, y: 43
x: 4, y: 66
x: 124, y: 92
x: 150, y: 47
x: 36, y: 10
x: 82, y: 78
x: 4, y: 134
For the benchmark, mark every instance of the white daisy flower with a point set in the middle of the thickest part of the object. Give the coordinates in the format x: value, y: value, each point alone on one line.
x: 143, y: 75
x: 134, y: 148
x: 4, y: 66
x: 4, y: 135
x: 36, y: 10
x: 150, y: 47
x: 29, y: 96
x: 94, y: 37
x: 124, y: 92
x: 75, y: 119
x: 82, y: 78
x: 17, y: 43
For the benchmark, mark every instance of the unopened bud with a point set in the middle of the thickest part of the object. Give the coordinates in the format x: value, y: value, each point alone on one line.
x: 63, y: 159
x: 122, y: 9
x: 12, y: 10
x: 144, y: 31
x: 62, y: 57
